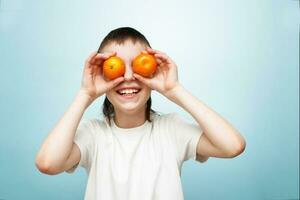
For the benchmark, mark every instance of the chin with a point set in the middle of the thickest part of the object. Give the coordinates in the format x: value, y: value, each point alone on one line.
x: 129, y: 105
x: 131, y: 108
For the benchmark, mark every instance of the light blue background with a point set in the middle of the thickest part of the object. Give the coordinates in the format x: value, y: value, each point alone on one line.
x: 241, y: 58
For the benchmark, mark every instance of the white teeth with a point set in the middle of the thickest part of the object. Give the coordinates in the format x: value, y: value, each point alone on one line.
x: 128, y: 91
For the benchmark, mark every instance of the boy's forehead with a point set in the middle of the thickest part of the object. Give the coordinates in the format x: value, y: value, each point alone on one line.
x: 126, y: 50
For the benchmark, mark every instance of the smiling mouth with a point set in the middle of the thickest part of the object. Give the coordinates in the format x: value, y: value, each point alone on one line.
x: 128, y: 93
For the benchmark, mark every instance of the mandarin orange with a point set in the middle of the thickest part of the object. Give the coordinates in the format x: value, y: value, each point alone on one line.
x: 113, y: 67
x: 144, y: 64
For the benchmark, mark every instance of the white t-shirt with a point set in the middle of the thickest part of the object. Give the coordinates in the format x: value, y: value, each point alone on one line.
x: 136, y: 163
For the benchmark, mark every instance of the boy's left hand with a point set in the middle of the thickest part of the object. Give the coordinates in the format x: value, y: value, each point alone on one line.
x: 165, y: 79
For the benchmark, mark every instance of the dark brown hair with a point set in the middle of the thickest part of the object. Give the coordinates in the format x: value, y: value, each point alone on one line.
x: 119, y: 36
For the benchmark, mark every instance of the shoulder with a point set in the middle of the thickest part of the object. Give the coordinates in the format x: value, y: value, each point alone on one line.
x: 99, y: 124
x: 165, y: 118
x: 93, y: 125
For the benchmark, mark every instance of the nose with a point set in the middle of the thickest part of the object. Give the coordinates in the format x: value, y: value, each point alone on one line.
x: 128, y: 76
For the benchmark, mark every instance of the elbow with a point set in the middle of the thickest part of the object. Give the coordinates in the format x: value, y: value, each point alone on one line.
x: 42, y: 168
x: 238, y: 149
x: 46, y: 167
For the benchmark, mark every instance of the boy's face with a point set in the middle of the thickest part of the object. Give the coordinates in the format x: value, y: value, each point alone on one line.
x: 128, y: 103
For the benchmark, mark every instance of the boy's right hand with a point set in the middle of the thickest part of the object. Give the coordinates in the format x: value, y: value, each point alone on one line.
x: 93, y: 82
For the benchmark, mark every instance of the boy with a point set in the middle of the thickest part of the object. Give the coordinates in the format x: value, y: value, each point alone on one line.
x: 134, y: 153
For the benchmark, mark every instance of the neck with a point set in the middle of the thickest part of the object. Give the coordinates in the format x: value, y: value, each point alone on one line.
x: 130, y: 120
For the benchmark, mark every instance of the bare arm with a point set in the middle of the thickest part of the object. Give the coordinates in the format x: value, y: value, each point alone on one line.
x: 57, y: 147
x: 58, y: 152
x: 220, y: 138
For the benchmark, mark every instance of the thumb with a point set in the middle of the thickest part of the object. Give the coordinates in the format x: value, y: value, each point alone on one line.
x: 144, y: 80
x: 115, y: 82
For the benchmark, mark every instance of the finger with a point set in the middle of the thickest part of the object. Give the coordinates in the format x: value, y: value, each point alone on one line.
x: 99, y: 70
x: 159, y: 61
x: 149, y: 50
x: 144, y: 80
x: 115, y: 82
x: 104, y: 55
x: 144, y: 51
x: 164, y: 58
x: 100, y: 57
x: 109, y: 54
x: 91, y: 56
x: 161, y: 57
x: 153, y: 51
x: 88, y: 68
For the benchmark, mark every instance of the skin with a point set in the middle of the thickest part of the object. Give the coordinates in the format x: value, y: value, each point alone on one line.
x: 59, y: 153
x: 220, y: 138
x: 130, y: 113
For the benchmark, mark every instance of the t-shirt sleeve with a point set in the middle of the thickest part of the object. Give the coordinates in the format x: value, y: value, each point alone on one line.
x: 84, y: 139
x: 186, y: 136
